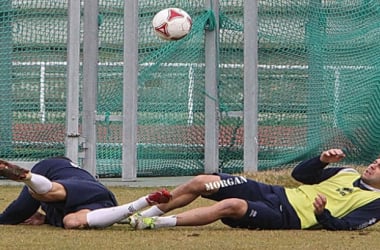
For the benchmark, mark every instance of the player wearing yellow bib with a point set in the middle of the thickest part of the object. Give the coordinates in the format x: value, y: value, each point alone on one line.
x: 333, y: 198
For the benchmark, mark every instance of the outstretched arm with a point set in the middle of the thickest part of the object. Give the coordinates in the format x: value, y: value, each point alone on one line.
x: 313, y: 171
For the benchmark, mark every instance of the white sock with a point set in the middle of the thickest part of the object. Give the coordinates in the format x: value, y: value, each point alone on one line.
x: 153, y: 211
x: 166, y: 221
x: 140, y: 203
x: 38, y: 184
x: 105, y: 217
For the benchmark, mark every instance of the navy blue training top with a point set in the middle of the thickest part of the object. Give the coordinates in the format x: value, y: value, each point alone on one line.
x: 83, y: 192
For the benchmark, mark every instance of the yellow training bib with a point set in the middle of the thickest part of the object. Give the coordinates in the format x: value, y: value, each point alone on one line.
x: 342, y: 197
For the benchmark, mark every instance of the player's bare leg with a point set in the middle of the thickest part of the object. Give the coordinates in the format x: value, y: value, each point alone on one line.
x: 229, y: 208
x: 53, y: 193
x: 184, y: 195
x: 76, y: 220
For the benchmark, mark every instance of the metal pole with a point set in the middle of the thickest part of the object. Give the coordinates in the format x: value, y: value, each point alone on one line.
x: 212, y: 100
x: 130, y: 79
x: 90, y: 80
x: 72, y: 82
x: 250, y: 86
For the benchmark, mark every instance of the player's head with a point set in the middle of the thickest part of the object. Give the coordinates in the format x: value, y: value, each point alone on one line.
x: 371, y: 174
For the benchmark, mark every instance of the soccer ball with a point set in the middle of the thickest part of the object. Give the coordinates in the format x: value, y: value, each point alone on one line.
x: 172, y: 23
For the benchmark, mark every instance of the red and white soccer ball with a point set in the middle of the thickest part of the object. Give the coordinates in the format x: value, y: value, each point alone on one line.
x: 172, y: 23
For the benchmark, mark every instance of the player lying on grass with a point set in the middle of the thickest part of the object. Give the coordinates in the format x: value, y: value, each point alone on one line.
x: 68, y: 196
x: 332, y: 198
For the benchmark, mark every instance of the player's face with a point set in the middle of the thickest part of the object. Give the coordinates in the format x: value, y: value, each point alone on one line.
x: 371, y: 174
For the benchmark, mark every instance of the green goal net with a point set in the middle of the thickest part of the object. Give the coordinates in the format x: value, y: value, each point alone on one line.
x: 318, y: 82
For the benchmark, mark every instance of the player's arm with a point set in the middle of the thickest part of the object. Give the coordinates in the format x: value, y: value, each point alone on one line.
x: 358, y: 219
x: 313, y: 170
x: 20, y: 209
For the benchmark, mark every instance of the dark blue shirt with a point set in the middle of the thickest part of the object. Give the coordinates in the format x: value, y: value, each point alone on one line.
x: 83, y: 191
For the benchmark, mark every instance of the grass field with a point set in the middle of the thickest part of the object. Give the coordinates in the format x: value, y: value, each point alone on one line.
x: 214, y: 236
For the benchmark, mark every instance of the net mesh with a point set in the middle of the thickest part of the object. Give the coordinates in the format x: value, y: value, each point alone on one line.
x: 318, y: 83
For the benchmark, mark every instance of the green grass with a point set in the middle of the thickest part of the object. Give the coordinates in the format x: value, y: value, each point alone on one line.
x: 214, y: 236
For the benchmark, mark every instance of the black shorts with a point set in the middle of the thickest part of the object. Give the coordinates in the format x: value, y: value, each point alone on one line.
x: 265, y: 202
x: 86, y: 194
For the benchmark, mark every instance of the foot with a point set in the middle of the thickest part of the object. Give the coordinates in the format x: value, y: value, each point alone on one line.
x: 162, y: 196
x: 14, y: 172
x: 138, y: 222
x: 130, y: 219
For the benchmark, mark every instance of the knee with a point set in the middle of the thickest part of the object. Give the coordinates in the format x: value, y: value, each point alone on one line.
x: 70, y: 222
x: 233, y: 207
x: 75, y: 221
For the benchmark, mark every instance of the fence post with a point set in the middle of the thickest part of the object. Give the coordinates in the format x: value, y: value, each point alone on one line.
x: 90, y: 83
x: 72, y: 82
x: 130, y: 75
x: 250, y: 86
x: 211, y: 97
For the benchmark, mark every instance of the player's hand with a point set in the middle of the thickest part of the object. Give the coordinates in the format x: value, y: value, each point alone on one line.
x: 36, y: 219
x: 319, y: 204
x: 332, y: 155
